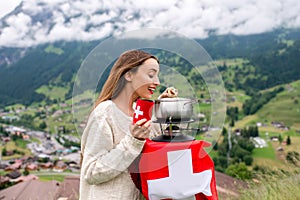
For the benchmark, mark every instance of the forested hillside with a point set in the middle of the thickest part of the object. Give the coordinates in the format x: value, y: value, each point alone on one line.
x: 274, y: 55
x: 44, y: 65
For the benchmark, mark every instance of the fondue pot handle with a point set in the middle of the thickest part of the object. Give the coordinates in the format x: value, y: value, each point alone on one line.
x: 191, y: 101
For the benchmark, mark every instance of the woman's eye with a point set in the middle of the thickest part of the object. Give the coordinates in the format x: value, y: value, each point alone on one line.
x: 151, y: 76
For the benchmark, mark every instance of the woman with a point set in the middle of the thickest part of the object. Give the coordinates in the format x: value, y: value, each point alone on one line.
x: 111, y: 142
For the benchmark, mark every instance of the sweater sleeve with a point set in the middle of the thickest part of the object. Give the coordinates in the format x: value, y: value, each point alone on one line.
x: 102, y: 160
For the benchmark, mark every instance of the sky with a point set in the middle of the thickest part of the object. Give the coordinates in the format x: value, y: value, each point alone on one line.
x: 81, y: 19
x: 8, y: 6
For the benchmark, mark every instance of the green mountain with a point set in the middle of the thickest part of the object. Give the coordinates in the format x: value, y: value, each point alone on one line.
x: 274, y: 55
x: 23, y: 72
x: 50, y: 64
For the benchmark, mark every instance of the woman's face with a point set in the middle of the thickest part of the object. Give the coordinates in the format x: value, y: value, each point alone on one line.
x: 145, y: 80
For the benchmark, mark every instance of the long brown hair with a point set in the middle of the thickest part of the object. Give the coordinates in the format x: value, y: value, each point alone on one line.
x: 127, y: 61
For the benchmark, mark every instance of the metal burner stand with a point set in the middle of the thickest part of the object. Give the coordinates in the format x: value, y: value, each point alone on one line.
x: 174, y: 132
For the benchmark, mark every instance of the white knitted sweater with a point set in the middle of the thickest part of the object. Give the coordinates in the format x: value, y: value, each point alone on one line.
x: 108, y: 149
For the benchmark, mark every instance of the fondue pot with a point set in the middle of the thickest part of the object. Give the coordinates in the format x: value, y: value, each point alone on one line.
x: 174, y: 109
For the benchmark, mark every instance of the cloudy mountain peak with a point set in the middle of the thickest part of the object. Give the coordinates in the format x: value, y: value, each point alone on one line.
x: 35, y: 22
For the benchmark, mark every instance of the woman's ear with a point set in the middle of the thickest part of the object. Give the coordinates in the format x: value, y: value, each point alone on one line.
x: 128, y: 76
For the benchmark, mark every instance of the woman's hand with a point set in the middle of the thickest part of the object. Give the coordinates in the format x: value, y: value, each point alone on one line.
x: 141, y: 129
x: 170, y: 92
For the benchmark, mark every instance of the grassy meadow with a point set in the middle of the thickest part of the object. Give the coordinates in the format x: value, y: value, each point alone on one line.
x: 284, y: 183
x: 275, y: 188
x: 285, y: 107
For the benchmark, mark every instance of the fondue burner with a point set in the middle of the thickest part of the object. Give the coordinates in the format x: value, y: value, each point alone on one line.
x: 174, y: 133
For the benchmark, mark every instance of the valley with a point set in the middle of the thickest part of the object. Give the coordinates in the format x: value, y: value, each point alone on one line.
x: 43, y: 117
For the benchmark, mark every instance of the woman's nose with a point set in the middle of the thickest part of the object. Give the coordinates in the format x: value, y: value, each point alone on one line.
x: 156, y: 81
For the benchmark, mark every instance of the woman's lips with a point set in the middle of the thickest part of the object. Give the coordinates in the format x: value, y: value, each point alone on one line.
x: 151, y: 90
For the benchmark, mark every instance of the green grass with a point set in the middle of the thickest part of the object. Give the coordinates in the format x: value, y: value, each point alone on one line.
x: 10, y: 146
x: 15, y: 107
x: 250, y: 119
x: 274, y: 188
x: 21, y: 143
x: 36, y: 140
x: 292, y: 132
x: 199, y: 137
x: 240, y: 96
x: 213, y: 154
x: 284, y: 107
x: 53, y: 49
x: 49, y: 176
x: 53, y: 92
x: 205, y: 107
x: 267, y: 152
x: 66, y: 121
x: 232, y: 65
x: 56, y: 177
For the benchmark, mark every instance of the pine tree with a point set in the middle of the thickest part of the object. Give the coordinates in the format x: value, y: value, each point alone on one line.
x: 288, y: 140
x: 256, y: 131
x: 224, y: 131
x: 231, y: 123
x: 280, y: 139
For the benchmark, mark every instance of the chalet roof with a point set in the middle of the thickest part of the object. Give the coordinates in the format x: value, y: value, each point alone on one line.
x: 3, y: 166
x: 50, y: 190
x: 46, y: 165
x: 32, y: 189
x: 14, y: 174
x: 25, y: 178
x: 3, y: 179
x: 32, y: 166
x: 13, y: 167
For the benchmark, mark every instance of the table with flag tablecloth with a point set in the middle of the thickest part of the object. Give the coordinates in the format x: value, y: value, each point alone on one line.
x: 177, y: 170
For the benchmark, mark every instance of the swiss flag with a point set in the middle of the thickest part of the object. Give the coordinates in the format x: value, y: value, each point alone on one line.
x: 177, y: 170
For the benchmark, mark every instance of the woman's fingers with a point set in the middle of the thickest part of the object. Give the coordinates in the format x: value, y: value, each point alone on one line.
x: 169, y: 92
x: 163, y: 95
x: 140, y: 122
x: 141, y: 129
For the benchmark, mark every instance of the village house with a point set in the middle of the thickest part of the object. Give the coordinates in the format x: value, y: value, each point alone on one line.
x: 46, y: 166
x: 32, y: 167
x: 10, y: 118
x: 237, y: 131
x: 274, y: 138
x: 24, y: 178
x: 4, y: 180
x: 14, y: 174
x: 15, y: 166
x: 15, y: 130
x: 280, y: 125
x: 5, y: 139
x: 3, y: 166
x: 60, y: 166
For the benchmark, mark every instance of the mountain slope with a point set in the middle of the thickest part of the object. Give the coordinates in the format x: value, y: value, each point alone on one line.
x: 284, y: 107
x: 274, y: 56
x: 39, y: 67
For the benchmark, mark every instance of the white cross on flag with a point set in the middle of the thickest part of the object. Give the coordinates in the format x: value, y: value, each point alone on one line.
x: 177, y: 170
x: 138, y: 112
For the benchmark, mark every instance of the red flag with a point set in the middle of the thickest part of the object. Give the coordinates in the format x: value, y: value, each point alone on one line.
x: 177, y: 170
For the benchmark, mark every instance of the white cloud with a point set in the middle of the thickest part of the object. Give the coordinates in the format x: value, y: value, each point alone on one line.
x: 95, y: 19
x: 8, y: 6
